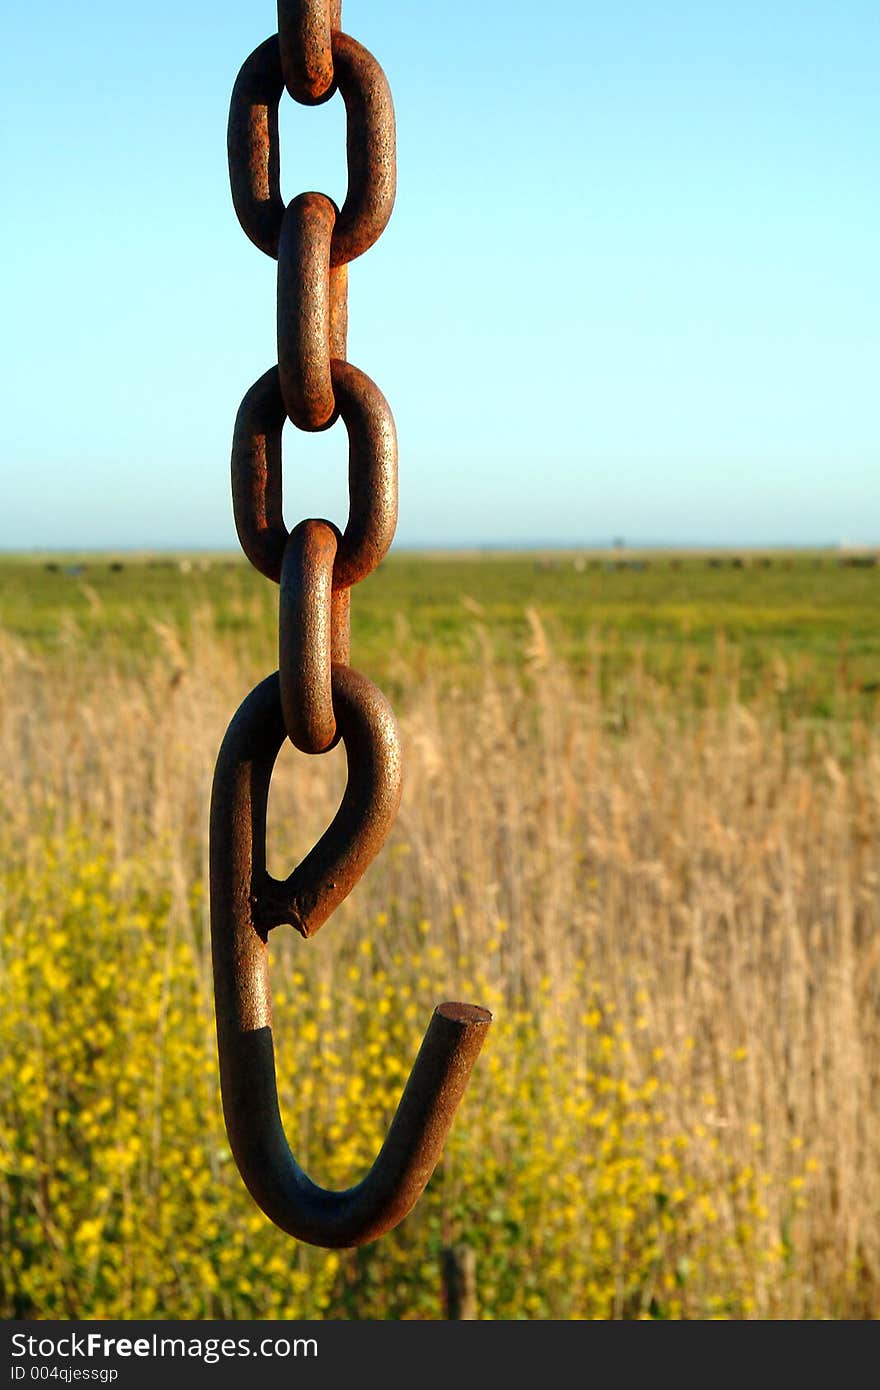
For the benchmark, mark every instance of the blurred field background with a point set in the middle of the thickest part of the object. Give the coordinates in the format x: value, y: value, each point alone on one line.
x: 641, y: 822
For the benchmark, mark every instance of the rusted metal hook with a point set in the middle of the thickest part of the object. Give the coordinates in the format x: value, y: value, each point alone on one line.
x: 246, y: 902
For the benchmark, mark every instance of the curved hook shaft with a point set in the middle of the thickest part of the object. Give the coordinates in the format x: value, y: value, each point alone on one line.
x: 406, y: 1160
x: 244, y: 1011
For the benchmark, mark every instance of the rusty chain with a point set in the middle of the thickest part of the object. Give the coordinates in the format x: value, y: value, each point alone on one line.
x: 315, y: 698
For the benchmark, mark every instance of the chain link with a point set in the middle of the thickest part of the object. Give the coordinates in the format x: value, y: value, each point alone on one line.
x: 313, y: 632
x: 308, y: 293
x: 372, y: 474
x: 305, y: 34
x: 254, y: 158
x: 316, y: 699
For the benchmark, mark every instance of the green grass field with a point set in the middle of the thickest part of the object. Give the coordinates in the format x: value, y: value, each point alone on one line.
x: 803, y: 624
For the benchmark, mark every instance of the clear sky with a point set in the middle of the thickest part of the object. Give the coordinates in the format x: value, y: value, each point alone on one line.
x: 630, y: 286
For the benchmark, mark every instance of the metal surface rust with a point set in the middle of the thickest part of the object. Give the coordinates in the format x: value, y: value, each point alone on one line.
x: 304, y: 30
x: 305, y: 635
x: 327, y: 874
x: 371, y: 144
x: 304, y: 311
x: 315, y: 698
x: 256, y: 475
x: 253, y: 149
x: 372, y: 474
x: 254, y: 159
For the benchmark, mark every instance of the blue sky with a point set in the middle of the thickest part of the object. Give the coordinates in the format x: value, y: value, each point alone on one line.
x: 630, y: 286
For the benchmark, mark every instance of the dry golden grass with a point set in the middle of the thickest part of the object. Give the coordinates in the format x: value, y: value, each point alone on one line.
x: 709, y: 872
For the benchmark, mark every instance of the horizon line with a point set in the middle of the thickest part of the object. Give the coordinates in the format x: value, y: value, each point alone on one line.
x: 614, y: 546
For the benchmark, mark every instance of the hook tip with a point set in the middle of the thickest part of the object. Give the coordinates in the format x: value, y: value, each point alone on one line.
x: 469, y: 1014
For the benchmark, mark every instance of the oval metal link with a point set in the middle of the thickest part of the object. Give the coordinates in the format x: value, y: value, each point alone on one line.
x: 307, y: 319
x: 254, y: 164
x: 372, y: 474
x: 304, y: 30
x: 309, y: 617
